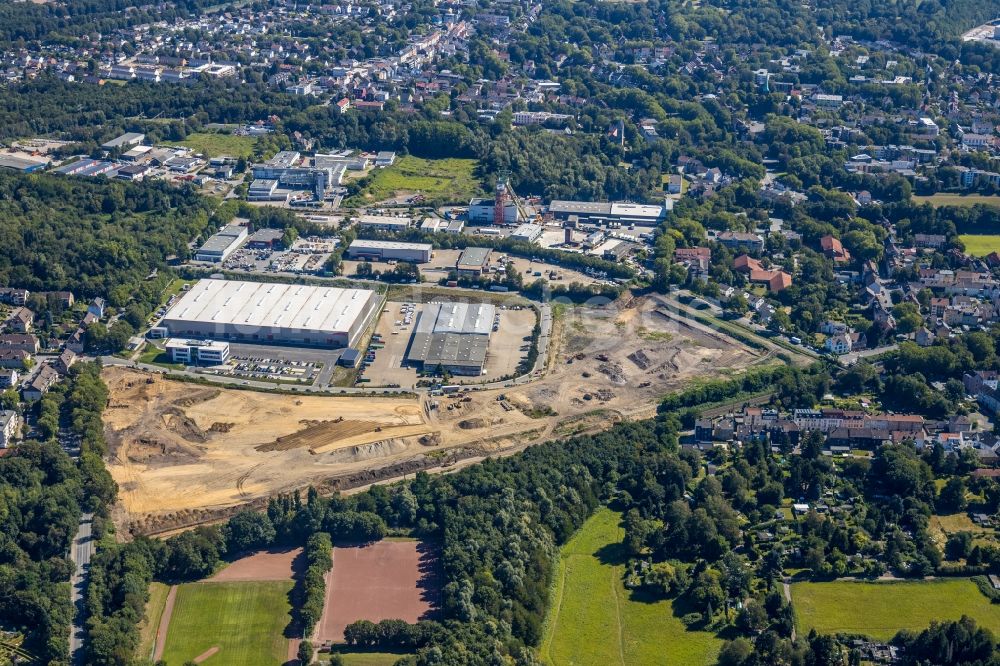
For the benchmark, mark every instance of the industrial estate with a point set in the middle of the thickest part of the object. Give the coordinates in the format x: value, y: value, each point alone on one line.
x: 435, y: 333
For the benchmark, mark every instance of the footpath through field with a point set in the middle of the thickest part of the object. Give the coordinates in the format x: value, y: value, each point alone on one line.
x: 595, y: 621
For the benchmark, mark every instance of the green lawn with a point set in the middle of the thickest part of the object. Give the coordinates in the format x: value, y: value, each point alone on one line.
x: 980, y: 245
x: 245, y: 620
x: 594, y: 620
x: 215, y: 144
x: 151, y: 621
x: 356, y: 658
x: 153, y: 355
x: 937, y: 200
x: 880, y: 610
x: 449, y: 180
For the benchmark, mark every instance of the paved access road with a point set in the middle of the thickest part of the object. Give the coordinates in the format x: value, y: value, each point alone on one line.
x: 80, y: 553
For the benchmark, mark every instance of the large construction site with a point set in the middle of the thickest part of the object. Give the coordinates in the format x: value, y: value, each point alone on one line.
x: 185, y: 454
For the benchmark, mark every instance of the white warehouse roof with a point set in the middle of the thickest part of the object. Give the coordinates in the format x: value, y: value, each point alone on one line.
x: 364, y: 243
x: 269, y: 305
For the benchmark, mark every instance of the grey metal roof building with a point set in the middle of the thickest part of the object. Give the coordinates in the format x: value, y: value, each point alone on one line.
x: 594, y: 211
x: 127, y: 139
x: 473, y: 260
x: 219, y: 246
x: 384, y: 250
x: 453, y: 336
x: 20, y: 163
x: 269, y: 312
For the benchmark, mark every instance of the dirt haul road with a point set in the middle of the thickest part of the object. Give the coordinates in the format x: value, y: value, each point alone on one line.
x: 184, y: 454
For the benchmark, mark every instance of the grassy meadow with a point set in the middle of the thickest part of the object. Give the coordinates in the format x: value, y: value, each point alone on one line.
x: 938, y: 200
x: 980, y: 245
x: 880, y: 610
x: 246, y: 621
x: 151, y: 621
x: 216, y: 144
x: 362, y: 658
x: 450, y: 180
x: 594, y: 620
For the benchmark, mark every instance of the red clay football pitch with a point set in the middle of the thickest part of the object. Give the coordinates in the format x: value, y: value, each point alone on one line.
x: 385, y: 580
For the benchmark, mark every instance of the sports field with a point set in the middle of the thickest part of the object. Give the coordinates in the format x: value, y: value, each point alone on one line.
x: 980, y: 245
x: 216, y: 144
x: 385, y: 580
x: 449, y: 180
x: 229, y: 624
x: 938, y: 200
x: 888, y: 607
x: 593, y: 621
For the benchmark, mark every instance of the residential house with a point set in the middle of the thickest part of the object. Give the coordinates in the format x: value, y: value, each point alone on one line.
x: 96, y: 307
x: 14, y: 296
x: 75, y: 342
x: 65, y: 361
x: 40, y: 385
x: 697, y: 259
x: 21, y: 320
x: 10, y: 426
x: 840, y: 343
x: 833, y: 249
x: 14, y: 358
x: 8, y: 378
x: 741, y: 240
x: 28, y: 343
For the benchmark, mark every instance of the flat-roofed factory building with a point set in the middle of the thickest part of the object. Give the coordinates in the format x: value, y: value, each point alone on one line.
x: 473, y: 261
x: 222, y: 244
x: 454, y: 337
x: 595, y: 212
x: 376, y: 250
x: 260, y: 312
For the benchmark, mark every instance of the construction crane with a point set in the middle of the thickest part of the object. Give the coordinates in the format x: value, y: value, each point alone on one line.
x: 504, y: 195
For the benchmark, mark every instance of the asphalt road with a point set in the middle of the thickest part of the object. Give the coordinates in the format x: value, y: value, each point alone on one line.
x: 80, y: 554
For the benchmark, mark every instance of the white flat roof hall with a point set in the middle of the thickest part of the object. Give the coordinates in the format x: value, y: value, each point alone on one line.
x: 260, y: 305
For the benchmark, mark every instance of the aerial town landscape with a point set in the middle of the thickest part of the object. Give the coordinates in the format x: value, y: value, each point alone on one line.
x: 496, y: 332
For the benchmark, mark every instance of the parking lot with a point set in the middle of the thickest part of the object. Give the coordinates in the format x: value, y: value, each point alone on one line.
x: 444, y: 261
x: 299, y: 365
x: 307, y: 255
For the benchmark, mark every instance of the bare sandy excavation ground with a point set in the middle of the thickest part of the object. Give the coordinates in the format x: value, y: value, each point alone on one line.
x: 184, y: 454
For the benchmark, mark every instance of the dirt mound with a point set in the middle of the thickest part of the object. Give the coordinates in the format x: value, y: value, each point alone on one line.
x: 181, y: 424
x: 150, y: 449
x: 640, y: 359
x: 473, y: 423
x: 321, y: 433
x: 364, y: 452
x: 613, y: 371
x: 195, y: 397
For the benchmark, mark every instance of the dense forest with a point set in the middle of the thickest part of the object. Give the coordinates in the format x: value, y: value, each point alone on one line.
x: 94, y: 237
x: 44, y: 492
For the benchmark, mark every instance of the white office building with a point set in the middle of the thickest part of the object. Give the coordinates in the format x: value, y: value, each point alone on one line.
x: 197, y: 352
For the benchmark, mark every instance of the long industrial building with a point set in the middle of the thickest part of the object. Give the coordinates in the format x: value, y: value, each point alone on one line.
x: 377, y: 250
x: 453, y: 336
x: 266, y: 312
x: 598, y: 212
